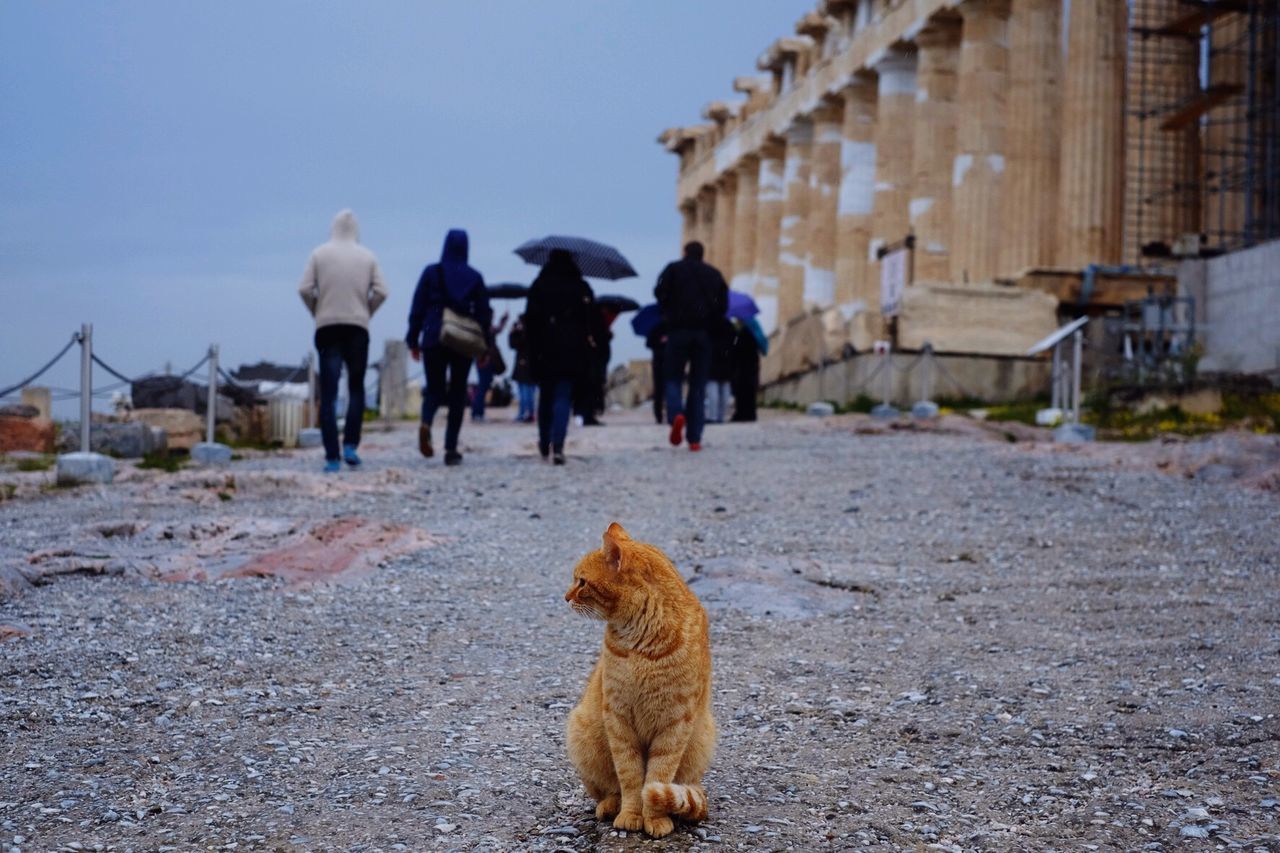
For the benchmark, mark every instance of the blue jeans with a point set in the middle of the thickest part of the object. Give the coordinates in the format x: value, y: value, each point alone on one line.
x: 484, y: 378
x: 555, y: 404
x: 446, y: 373
x: 528, y: 397
x: 340, y: 345
x: 691, y: 347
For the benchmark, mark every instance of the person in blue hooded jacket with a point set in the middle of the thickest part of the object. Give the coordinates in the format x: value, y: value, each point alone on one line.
x: 454, y: 283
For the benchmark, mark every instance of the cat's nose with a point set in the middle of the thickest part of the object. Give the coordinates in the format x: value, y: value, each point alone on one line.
x: 568, y: 596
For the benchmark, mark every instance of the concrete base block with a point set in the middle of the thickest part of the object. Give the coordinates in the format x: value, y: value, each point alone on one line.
x: 206, y: 453
x: 1049, y: 417
x: 310, y: 437
x: 884, y: 410
x: 925, y: 410
x: 76, y: 469
x: 821, y: 409
x: 1074, y: 434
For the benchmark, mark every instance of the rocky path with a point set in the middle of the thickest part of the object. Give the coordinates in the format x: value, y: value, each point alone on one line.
x: 922, y: 641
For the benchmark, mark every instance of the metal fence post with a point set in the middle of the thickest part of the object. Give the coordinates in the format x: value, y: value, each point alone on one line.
x: 1076, y: 357
x: 1055, y: 378
x: 86, y: 383
x: 213, y: 393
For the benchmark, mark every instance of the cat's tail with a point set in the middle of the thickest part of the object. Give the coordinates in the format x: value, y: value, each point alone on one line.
x: 685, y: 801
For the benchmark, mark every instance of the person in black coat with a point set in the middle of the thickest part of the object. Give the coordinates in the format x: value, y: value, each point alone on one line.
x: 454, y: 284
x: 744, y: 380
x: 560, y: 315
x: 656, y: 341
x: 522, y: 373
x: 692, y: 296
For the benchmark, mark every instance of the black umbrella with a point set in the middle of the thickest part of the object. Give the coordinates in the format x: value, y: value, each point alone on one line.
x: 507, y: 290
x: 595, y: 260
x: 618, y: 303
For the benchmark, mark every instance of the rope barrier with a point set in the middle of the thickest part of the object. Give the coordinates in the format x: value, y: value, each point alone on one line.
x: 130, y: 381
x: 943, y: 370
x: 33, y: 377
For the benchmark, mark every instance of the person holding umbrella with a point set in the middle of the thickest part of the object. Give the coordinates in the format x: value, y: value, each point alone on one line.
x: 692, y: 296
x: 451, y: 283
x: 558, y: 318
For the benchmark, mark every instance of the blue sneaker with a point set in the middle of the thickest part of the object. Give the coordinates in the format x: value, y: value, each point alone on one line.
x: 332, y: 466
x: 349, y: 454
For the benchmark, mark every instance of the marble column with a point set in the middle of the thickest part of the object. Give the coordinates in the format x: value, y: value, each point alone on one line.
x: 1162, y: 174
x: 854, y: 281
x: 744, y: 224
x: 688, y: 222
x: 720, y: 252
x: 977, y: 175
x: 706, y: 217
x: 793, y: 241
x: 895, y: 112
x: 1091, y: 183
x: 769, y: 208
x: 1032, y: 137
x: 824, y: 206
x: 1224, y: 157
x: 938, y: 47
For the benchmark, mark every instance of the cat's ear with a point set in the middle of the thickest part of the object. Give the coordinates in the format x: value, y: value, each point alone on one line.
x: 613, y: 539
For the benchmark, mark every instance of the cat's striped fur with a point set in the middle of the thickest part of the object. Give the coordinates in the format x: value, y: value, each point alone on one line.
x: 643, y: 735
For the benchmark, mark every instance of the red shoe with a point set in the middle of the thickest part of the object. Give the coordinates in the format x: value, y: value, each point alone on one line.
x: 677, y: 430
x: 695, y: 446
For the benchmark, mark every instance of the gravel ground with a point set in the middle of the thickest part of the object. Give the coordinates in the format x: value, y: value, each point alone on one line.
x: 921, y: 641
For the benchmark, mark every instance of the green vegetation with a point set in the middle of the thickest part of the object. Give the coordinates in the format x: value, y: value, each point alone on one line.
x: 35, y: 463
x: 1256, y: 412
x: 162, y: 460
x: 7, y: 491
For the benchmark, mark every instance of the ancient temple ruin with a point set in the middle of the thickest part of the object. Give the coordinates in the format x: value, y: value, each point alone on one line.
x: 1017, y: 161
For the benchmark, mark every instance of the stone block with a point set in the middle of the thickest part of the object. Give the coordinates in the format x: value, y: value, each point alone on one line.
x: 183, y: 428
x: 1074, y: 434
x: 925, y: 410
x: 1049, y: 417
x: 124, y: 440
x: 821, y: 409
x: 75, y: 469
x: 26, y: 433
x: 211, y: 453
x: 885, y: 411
x: 980, y: 319
x: 310, y: 437
x: 40, y: 398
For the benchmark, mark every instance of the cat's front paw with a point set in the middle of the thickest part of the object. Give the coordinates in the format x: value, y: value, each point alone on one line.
x: 608, y: 807
x: 629, y: 820
x: 659, y: 826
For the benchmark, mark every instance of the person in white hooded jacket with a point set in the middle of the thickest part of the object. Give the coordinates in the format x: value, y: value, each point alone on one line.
x: 342, y: 287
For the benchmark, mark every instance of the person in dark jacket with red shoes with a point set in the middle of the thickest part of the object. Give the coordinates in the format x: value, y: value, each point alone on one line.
x: 692, y: 297
x: 454, y: 284
x: 559, y: 317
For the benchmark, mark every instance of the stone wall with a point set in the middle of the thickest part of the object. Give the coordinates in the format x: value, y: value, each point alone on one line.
x: 1238, y: 306
x: 992, y: 379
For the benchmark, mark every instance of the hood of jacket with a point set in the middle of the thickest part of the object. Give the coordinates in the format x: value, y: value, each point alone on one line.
x: 455, y: 247
x: 345, y: 228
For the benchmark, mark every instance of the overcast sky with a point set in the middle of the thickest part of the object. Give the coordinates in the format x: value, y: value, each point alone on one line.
x: 165, y: 168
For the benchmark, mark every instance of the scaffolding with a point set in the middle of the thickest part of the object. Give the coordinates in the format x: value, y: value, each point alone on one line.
x: 1203, y: 119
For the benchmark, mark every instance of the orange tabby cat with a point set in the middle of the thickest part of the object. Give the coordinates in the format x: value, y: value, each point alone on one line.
x: 643, y: 734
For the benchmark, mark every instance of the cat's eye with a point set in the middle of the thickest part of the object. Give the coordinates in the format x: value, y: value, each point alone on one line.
x: 582, y: 582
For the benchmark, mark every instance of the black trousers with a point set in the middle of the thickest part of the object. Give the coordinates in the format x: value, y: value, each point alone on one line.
x: 337, y: 346
x: 446, y: 373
